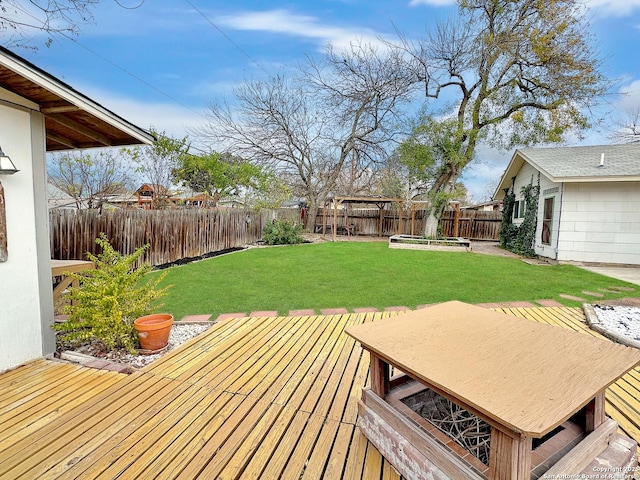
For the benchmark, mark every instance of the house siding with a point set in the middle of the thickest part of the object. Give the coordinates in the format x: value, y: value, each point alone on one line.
x: 23, y: 307
x: 600, y: 223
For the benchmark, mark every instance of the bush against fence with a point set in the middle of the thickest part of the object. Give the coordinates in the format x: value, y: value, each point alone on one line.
x: 172, y: 235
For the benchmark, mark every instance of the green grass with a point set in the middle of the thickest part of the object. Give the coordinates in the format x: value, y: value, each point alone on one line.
x: 351, y: 275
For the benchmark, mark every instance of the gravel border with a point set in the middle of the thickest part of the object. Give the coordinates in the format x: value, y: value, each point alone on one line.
x: 594, y: 323
x: 181, y: 332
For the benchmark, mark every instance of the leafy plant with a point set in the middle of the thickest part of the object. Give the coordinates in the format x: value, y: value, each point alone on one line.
x: 520, y: 238
x: 527, y: 231
x: 282, y: 232
x: 508, y: 230
x: 109, y: 299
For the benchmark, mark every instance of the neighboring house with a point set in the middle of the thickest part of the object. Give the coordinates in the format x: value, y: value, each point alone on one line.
x: 150, y: 196
x: 490, y: 206
x: 38, y: 114
x: 122, y: 200
x: 589, y: 204
x: 58, y: 199
x: 191, y: 199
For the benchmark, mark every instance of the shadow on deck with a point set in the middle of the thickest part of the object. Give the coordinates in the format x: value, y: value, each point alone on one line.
x: 251, y: 398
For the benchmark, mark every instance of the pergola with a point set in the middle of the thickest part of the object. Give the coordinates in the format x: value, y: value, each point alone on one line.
x: 380, y: 202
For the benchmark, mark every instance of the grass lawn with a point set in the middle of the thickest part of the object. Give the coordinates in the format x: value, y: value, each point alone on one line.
x: 367, y: 274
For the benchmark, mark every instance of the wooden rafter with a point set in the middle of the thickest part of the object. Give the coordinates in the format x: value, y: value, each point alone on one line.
x: 72, y: 124
x: 62, y: 140
x: 58, y: 107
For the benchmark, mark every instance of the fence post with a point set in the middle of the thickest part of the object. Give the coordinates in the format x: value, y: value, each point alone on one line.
x: 456, y: 218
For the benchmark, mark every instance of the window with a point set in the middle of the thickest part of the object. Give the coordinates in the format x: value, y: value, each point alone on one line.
x: 518, y: 209
x: 546, y: 221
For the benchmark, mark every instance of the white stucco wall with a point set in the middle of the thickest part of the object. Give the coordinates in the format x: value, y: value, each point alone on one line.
x: 23, y: 302
x: 600, y: 223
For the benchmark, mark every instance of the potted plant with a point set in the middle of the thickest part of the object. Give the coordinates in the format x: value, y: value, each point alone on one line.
x: 109, y: 299
x: 153, y: 330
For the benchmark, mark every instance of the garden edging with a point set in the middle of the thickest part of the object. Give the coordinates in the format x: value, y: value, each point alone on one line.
x: 594, y: 324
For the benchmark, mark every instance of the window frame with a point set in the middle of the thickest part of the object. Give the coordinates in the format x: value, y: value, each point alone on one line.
x: 547, y: 220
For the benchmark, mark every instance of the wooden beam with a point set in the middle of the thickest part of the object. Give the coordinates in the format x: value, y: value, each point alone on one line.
x: 335, y: 219
x: 509, y: 457
x: 62, y: 140
x: 379, y: 375
x: 58, y: 107
x: 595, y: 412
x: 585, y: 452
x: 413, y: 218
x: 67, y: 122
x: 355, y: 199
x: 456, y: 219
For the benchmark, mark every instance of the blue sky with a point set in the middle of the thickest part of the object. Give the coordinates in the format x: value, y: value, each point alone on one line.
x: 161, y: 64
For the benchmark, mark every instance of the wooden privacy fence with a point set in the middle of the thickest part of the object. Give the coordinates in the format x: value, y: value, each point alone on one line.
x: 366, y: 221
x: 172, y: 235
x: 472, y: 224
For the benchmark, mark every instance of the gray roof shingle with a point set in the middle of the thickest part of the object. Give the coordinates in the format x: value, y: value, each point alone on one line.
x: 580, y: 162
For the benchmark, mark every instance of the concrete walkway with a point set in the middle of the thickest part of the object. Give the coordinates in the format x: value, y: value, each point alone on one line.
x: 627, y: 274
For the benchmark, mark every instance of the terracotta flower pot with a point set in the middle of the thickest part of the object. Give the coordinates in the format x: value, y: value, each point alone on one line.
x: 153, y: 330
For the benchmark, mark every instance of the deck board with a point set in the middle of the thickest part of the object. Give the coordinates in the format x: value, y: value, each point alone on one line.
x: 250, y: 398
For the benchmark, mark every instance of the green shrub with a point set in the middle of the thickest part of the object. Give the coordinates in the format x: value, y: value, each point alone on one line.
x: 109, y: 299
x: 282, y: 232
x: 520, y: 239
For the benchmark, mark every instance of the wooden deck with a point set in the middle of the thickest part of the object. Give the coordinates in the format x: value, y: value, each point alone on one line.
x: 250, y: 398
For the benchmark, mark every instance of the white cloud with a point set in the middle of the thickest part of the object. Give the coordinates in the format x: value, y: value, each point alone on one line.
x: 630, y: 96
x: 481, y: 176
x: 617, y: 8
x: 170, y: 118
x: 304, y: 26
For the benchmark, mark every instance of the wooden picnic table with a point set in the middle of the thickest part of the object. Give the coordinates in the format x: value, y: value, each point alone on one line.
x: 59, y: 268
x: 523, y: 378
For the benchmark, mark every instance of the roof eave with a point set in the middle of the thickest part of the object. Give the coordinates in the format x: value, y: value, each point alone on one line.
x: 69, y: 94
x: 593, y: 179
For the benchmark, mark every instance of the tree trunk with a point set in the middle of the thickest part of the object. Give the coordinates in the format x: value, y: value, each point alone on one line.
x: 310, y: 219
x: 445, y: 184
x: 431, y: 222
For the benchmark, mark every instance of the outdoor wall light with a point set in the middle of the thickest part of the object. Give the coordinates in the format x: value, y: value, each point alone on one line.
x: 6, y: 165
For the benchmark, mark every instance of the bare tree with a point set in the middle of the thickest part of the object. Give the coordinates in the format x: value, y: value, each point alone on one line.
x: 519, y: 73
x: 628, y: 127
x: 340, y: 108
x: 89, y: 178
x: 21, y: 21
